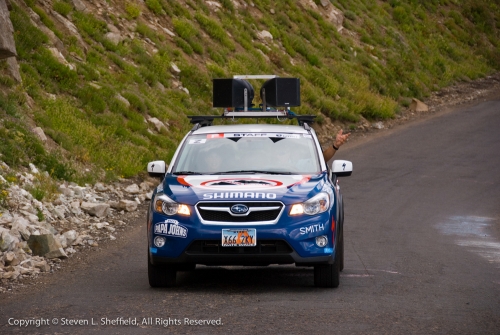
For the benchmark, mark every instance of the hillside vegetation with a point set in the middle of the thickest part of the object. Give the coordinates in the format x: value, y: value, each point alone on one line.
x: 92, y: 78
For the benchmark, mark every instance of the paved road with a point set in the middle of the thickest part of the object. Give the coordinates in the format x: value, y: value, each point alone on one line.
x: 422, y: 254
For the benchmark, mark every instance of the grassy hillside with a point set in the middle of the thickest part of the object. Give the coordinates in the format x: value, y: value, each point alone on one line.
x: 94, y: 105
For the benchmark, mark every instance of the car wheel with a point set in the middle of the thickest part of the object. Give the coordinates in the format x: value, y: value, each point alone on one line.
x: 341, y: 250
x: 161, y: 276
x: 328, y: 275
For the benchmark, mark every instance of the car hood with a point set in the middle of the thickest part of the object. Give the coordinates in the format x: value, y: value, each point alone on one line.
x: 288, y: 189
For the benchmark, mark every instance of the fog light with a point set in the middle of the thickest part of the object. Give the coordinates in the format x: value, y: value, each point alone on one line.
x: 159, y: 241
x: 321, y: 241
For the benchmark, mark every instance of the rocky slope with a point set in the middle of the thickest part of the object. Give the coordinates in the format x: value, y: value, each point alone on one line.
x: 36, y: 236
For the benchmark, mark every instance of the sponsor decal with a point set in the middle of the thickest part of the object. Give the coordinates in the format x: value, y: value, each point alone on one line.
x: 170, y: 227
x: 312, y: 229
x: 209, y: 136
x: 242, y: 182
x: 328, y: 250
x: 232, y: 135
x: 239, y: 195
x: 307, y: 135
x: 153, y: 250
x: 159, y: 188
x: 198, y: 141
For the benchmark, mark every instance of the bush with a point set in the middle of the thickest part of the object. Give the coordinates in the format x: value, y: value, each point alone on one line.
x: 133, y: 10
x: 62, y: 7
x: 155, y: 6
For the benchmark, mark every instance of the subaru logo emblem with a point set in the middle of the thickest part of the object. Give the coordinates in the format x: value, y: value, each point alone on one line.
x: 239, y: 209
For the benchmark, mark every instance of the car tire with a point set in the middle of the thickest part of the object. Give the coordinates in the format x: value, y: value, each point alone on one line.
x: 328, y: 275
x: 341, y: 250
x: 341, y: 238
x: 161, y: 276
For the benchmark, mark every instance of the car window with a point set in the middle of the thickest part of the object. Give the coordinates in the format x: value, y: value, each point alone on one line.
x: 274, y: 153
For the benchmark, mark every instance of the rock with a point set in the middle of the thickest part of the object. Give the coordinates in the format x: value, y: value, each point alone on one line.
x: 7, y: 44
x: 28, y: 263
x: 13, y: 68
x: 100, y: 187
x: 378, y: 125
x: 95, y: 209
x: 46, y: 245
x: 214, y: 5
x: 21, y: 225
x: 175, y: 69
x: 418, y: 106
x: 33, y: 168
x: 100, y: 225
x: 70, y: 250
x: 127, y: 205
x: 336, y: 17
x: 157, y: 123
x: 114, y: 38
x: 42, y: 265
x: 264, y: 34
x: 79, y: 192
x: 12, y: 275
x: 10, y: 258
x: 67, y: 192
x: 71, y: 236
x: 132, y: 189
x: 168, y: 32
x: 62, y: 240
x: 94, y: 85
x: 120, y: 98
x: 60, y: 58
x: 7, y: 240
x: 6, y: 217
x: 308, y: 4
x: 40, y: 134
x: 79, y: 5
x: 145, y: 186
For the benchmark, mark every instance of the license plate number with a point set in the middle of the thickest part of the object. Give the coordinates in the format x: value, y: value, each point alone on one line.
x: 239, y: 237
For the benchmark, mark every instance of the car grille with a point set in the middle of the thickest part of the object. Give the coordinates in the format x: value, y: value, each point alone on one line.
x: 263, y: 247
x: 259, y: 212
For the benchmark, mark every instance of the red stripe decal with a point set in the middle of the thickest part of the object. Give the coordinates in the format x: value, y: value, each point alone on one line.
x: 304, y: 180
x: 182, y: 181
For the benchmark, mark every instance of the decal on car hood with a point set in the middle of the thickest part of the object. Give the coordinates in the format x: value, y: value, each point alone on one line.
x: 287, y: 188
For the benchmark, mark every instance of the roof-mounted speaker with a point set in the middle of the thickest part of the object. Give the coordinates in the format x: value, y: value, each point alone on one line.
x: 281, y: 92
x: 231, y: 93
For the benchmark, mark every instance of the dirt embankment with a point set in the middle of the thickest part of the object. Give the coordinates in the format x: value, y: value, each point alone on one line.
x: 463, y: 93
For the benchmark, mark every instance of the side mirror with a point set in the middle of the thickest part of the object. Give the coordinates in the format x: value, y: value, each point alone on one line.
x: 157, y: 169
x: 341, y: 168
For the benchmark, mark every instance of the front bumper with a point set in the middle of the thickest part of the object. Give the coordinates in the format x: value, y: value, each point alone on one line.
x: 290, y: 240
x: 265, y: 253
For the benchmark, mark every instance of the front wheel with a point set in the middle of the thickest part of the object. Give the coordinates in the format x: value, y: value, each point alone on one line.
x: 328, y: 275
x: 161, y: 276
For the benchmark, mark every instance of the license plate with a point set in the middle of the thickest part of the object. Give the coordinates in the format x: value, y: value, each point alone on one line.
x: 239, y: 237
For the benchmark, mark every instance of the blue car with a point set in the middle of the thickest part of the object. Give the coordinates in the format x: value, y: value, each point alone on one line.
x: 247, y: 194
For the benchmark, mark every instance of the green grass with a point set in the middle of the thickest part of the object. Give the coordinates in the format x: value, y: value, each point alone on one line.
x: 403, y: 49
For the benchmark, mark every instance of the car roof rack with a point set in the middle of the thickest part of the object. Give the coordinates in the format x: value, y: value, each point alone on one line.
x: 235, y: 95
x: 207, y: 120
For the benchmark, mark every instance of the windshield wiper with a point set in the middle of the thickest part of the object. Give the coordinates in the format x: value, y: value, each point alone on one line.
x: 186, y: 172
x: 253, y: 171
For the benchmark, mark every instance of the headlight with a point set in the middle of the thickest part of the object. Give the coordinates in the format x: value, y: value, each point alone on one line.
x: 165, y: 205
x: 317, y: 204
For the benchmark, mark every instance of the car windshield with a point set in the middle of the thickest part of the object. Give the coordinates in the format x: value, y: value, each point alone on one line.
x: 228, y: 153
